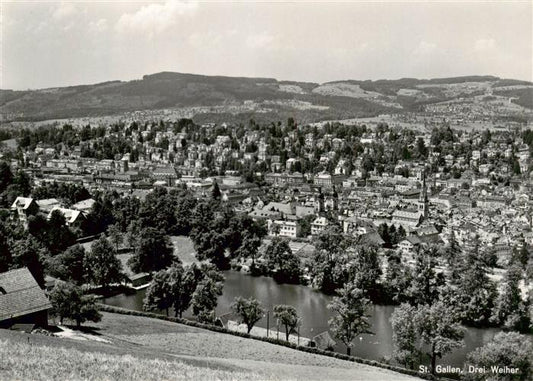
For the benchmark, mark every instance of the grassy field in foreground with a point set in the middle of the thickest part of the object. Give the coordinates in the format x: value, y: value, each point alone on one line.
x: 125, y: 347
x: 23, y: 361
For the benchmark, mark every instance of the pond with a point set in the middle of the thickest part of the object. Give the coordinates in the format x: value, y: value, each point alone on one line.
x: 312, y: 307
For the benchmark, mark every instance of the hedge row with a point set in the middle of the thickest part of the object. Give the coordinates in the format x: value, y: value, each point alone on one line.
x: 317, y: 351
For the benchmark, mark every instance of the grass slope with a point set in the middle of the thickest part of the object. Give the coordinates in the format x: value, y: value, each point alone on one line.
x: 144, y: 348
x: 23, y: 361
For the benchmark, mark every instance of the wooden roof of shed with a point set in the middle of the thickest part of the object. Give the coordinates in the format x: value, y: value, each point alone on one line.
x: 20, y: 295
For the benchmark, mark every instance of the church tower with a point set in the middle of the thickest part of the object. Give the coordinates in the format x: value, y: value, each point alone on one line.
x: 423, y: 199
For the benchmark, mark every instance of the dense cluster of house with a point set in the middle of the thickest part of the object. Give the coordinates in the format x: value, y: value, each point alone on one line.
x: 24, y: 207
x: 298, y: 204
x: 426, y: 206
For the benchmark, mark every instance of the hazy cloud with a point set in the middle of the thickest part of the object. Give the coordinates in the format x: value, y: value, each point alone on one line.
x: 485, y: 44
x: 48, y: 44
x: 203, y: 40
x: 425, y: 48
x: 259, y: 40
x: 155, y: 18
x: 64, y: 10
x: 98, y: 26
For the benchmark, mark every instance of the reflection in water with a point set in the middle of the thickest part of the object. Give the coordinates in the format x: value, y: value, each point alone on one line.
x: 312, y: 307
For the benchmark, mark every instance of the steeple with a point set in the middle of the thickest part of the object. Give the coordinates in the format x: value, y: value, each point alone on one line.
x: 423, y: 199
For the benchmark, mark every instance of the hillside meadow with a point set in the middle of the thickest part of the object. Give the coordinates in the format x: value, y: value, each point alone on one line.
x: 124, y: 347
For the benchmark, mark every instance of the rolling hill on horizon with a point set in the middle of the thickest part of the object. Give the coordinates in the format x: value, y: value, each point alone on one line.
x: 242, y: 97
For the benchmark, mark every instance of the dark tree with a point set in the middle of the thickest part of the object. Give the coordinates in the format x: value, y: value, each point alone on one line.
x: 153, y: 252
x: 249, y: 248
x: 404, y: 336
x: 383, y: 231
x: 5, y: 252
x: 158, y: 295
x: 157, y: 210
x: 330, y: 267
x: 185, y: 205
x: 305, y: 226
x: 6, y: 176
x: 439, y: 330
x: 510, y: 310
x: 115, y: 235
x: 101, y: 215
x: 365, y: 270
x: 351, y: 315
x: 282, y: 261
x: 452, y: 254
x: 125, y: 210
x: 248, y: 310
x: 182, y: 285
x: 204, y: 300
x: 102, y: 265
x: 474, y: 292
x: 288, y: 317
x: 211, y: 246
x: 68, y: 266
x: 69, y: 302
x: 38, y: 227
x: 30, y: 253
x: 397, y: 279
x: 215, y: 192
x: 52, y: 233
x: 426, y: 283
x: 505, y: 349
x: 59, y: 235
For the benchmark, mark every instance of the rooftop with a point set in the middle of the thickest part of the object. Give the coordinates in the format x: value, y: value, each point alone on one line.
x: 20, y: 294
x: 22, y: 202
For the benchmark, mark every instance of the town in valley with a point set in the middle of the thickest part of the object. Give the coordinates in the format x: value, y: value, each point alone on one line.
x: 275, y: 215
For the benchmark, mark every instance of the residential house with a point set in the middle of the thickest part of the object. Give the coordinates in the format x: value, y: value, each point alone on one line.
x: 284, y: 208
x: 283, y: 228
x: 84, y: 206
x: 409, y: 244
x: 47, y: 204
x: 23, y: 207
x: 73, y: 218
x: 318, y: 225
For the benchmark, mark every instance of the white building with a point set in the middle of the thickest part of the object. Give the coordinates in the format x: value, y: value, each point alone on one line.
x: 318, y: 225
x: 283, y: 228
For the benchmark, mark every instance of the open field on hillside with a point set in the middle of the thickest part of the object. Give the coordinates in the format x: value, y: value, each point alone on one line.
x: 143, y: 348
x: 23, y: 361
x: 184, y: 249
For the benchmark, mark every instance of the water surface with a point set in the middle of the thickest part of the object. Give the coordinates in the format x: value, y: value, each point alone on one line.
x: 312, y: 307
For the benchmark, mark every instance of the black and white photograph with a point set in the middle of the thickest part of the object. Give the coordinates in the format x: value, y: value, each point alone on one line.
x: 266, y: 190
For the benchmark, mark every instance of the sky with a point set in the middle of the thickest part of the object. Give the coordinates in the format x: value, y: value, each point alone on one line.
x: 51, y: 44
